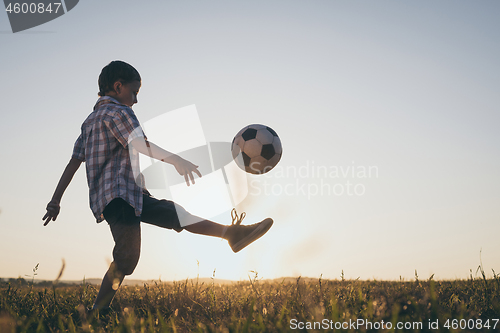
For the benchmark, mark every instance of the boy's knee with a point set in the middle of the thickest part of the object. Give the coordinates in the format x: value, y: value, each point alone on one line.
x: 128, y: 270
x: 127, y: 265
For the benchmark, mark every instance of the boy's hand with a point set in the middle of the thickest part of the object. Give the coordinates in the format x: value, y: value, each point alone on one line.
x: 53, y: 209
x: 185, y: 168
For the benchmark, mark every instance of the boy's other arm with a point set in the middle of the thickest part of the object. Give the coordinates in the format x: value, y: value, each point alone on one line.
x: 183, y: 167
x: 53, y: 206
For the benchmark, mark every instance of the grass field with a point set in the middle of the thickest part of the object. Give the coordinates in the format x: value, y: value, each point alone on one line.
x: 471, y: 305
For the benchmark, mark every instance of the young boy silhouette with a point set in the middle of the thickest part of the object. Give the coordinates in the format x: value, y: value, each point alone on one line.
x: 120, y: 198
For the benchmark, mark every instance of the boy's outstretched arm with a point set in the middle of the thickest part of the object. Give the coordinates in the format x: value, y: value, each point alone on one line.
x: 53, y: 206
x: 183, y: 167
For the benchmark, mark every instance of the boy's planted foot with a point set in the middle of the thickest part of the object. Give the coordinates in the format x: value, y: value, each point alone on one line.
x: 239, y: 236
x: 98, y: 313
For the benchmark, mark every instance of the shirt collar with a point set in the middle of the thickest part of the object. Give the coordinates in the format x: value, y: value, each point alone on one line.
x: 106, y: 100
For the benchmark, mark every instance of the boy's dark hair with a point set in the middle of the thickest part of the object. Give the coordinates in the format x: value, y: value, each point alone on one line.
x: 116, y: 71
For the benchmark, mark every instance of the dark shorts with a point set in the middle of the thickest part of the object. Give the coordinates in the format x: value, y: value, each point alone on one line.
x: 126, y: 227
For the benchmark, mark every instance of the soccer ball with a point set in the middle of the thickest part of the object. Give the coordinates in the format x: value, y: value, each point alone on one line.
x: 256, y: 149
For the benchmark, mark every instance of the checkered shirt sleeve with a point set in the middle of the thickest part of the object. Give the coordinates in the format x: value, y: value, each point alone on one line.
x: 79, y: 149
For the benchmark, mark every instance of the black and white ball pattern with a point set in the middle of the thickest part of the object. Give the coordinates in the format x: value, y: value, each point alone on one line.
x: 256, y: 149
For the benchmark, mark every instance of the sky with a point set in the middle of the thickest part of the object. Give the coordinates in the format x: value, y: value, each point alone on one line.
x: 388, y: 114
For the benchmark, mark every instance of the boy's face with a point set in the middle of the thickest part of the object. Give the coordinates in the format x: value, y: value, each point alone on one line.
x: 127, y: 93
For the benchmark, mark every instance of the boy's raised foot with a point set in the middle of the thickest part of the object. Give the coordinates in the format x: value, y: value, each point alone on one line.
x: 240, y: 236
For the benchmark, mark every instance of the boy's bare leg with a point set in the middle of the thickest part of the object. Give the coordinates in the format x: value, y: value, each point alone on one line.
x: 112, y: 280
x: 208, y: 228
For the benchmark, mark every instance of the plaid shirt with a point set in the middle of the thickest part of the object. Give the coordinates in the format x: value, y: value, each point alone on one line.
x: 110, y: 165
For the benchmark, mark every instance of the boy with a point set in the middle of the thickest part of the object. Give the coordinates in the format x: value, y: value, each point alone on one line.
x: 119, y: 197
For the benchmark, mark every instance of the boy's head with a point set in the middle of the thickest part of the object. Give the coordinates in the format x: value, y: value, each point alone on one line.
x: 115, y: 75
